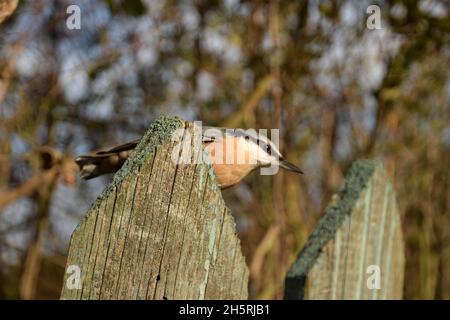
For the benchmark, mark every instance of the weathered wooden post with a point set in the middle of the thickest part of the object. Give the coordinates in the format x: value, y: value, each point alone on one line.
x: 160, y: 231
x: 356, y: 243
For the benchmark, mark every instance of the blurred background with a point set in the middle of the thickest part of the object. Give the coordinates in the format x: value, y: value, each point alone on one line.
x: 338, y: 90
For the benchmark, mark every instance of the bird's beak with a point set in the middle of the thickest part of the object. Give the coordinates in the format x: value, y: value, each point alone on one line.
x: 289, y: 166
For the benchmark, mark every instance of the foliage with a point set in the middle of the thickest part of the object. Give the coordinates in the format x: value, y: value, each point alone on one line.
x: 337, y: 90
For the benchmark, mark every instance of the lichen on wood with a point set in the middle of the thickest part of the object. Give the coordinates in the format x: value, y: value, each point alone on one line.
x: 349, y: 238
x: 159, y: 231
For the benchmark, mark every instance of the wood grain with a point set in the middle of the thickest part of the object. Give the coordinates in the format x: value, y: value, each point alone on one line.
x: 361, y: 228
x: 159, y: 231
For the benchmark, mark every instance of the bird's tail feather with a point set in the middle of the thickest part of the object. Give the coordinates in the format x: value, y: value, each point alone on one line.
x: 105, y: 161
x: 90, y: 166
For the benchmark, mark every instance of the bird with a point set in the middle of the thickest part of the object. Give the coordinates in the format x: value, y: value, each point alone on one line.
x: 234, y: 154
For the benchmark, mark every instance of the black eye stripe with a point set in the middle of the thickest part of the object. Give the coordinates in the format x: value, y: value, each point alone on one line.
x: 263, y: 144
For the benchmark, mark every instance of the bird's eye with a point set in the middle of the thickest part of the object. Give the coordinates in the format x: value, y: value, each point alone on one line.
x: 246, y: 137
x: 268, y: 148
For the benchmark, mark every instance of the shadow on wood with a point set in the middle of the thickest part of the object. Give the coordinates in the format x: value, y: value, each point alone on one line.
x: 159, y: 231
x: 357, y: 246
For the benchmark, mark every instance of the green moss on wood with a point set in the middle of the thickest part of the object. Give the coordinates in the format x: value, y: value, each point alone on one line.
x: 159, y: 132
x: 180, y: 231
x: 335, y: 214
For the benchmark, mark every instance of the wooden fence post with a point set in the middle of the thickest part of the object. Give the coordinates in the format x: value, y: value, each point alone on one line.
x: 159, y: 231
x: 357, y: 246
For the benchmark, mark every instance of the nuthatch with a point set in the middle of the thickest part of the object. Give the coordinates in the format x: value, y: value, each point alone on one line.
x: 222, y: 145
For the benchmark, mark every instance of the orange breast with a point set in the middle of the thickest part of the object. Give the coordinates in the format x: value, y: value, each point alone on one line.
x: 230, y: 159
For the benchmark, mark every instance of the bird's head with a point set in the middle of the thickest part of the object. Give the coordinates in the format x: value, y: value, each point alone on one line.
x: 266, y: 153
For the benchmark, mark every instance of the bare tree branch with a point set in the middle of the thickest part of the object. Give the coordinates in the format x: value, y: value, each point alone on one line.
x: 29, y: 186
x: 7, y: 7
